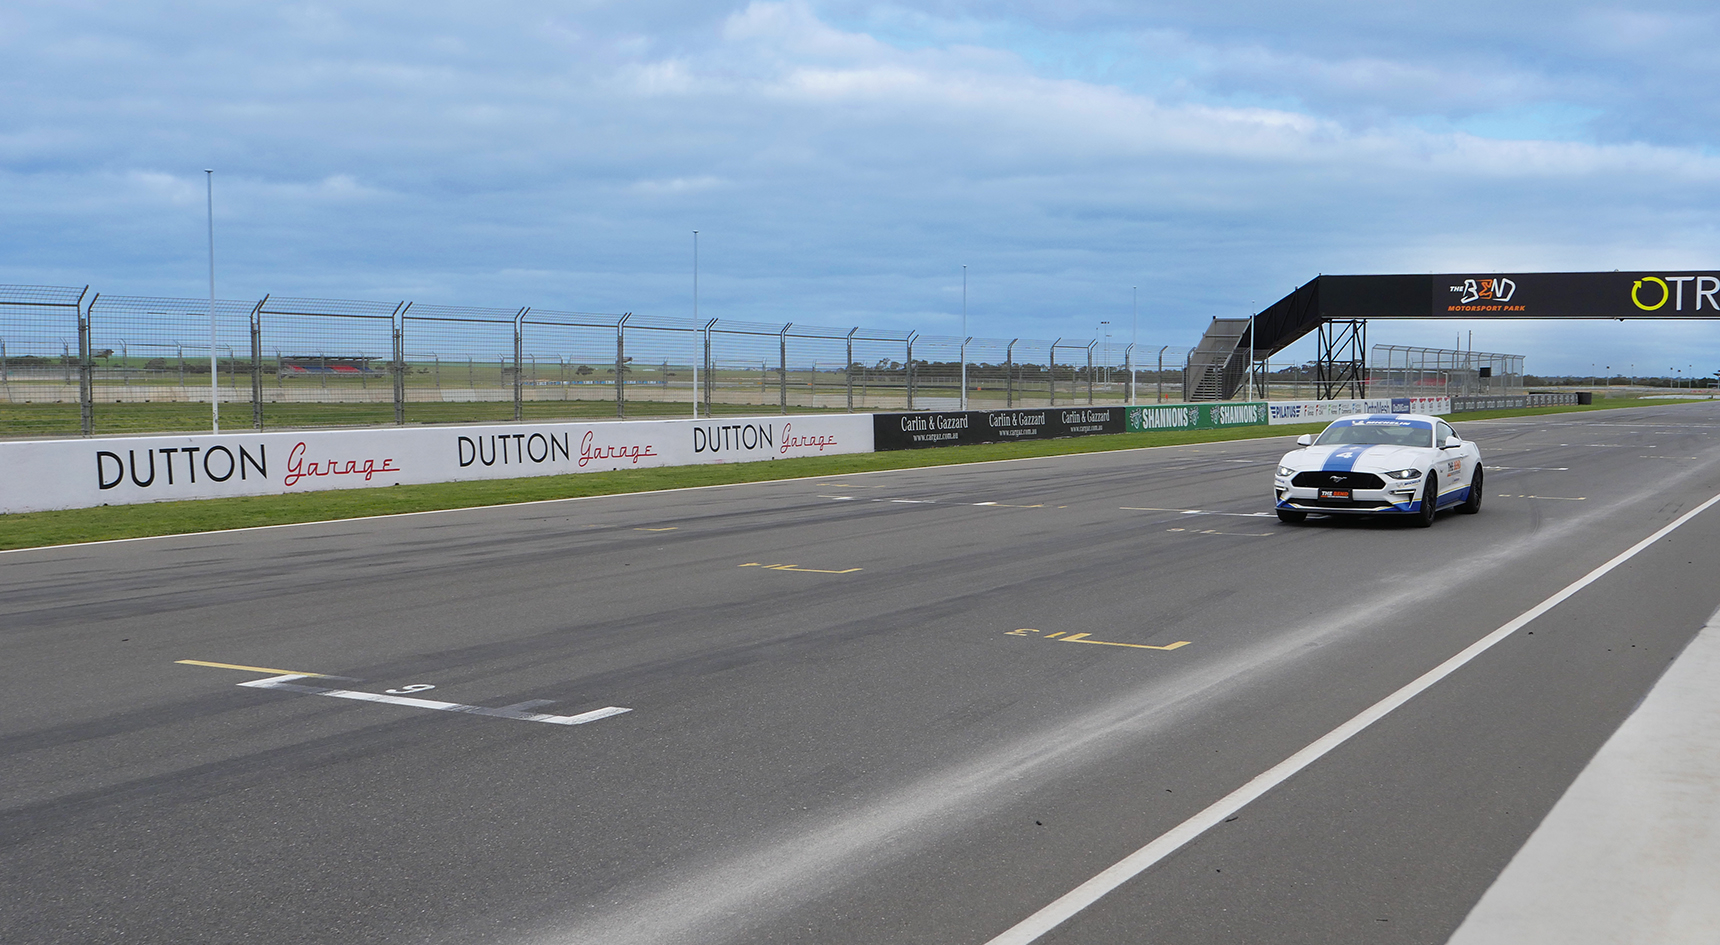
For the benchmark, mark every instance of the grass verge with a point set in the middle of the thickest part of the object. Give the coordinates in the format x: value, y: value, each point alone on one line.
x: 37, y: 529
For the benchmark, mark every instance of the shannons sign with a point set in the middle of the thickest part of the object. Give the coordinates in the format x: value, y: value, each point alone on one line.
x: 1196, y: 416
x: 37, y: 475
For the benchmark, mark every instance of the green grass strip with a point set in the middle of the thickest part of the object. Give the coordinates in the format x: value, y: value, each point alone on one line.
x: 70, y: 526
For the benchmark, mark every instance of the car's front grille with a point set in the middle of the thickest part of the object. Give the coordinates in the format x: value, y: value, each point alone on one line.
x: 1316, y: 479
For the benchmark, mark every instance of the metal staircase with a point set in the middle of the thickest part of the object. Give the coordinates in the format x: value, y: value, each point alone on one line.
x: 1215, y: 367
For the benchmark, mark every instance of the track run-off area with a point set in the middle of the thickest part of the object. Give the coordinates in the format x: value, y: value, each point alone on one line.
x: 909, y: 706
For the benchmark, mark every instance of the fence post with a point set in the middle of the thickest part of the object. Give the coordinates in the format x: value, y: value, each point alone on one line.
x: 257, y: 364
x: 1051, y: 371
x: 1129, y: 362
x: 962, y: 401
x: 1162, y: 374
x: 620, y: 365
x: 86, y: 386
x: 848, y: 369
x: 519, y: 365
x: 710, y: 367
x: 1009, y: 372
x: 782, y: 365
x: 397, y: 361
x: 1090, y: 345
x: 908, y: 369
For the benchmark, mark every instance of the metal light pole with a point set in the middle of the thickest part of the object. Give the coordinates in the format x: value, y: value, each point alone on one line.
x: 695, y: 397
x: 964, y: 338
x: 214, y: 375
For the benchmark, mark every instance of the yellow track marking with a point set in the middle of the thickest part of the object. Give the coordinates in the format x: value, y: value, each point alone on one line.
x: 790, y: 567
x: 254, y: 669
x: 1082, y: 638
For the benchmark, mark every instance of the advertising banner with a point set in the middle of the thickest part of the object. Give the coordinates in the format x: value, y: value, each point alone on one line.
x: 1673, y: 294
x: 1500, y: 402
x: 1664, y: 294
x: 903, y: 431
x: 1315, y: 411
x: 37, y: 475
x: 1196, y: 416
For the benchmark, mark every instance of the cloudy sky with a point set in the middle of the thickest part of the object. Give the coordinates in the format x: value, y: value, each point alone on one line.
x: 843, y: 160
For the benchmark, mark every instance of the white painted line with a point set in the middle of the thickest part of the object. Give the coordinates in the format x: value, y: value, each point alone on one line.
x: 1531, y: 468
x: 510, y: 712
x: 1071, y: 903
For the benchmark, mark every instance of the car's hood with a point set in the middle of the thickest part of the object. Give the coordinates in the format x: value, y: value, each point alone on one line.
x: 1359, y: 458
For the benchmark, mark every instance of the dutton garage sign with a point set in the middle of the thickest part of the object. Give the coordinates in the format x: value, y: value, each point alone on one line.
x: 37, y: 475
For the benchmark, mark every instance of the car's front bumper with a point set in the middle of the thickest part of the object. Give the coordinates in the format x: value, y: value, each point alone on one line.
x: 1397, y: 498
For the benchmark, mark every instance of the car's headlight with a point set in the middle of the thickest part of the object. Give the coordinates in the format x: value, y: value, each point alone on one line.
x: 1286, y: 471
x: 1405, y: 474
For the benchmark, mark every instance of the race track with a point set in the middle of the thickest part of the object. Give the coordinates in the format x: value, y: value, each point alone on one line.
x: 856, y: 713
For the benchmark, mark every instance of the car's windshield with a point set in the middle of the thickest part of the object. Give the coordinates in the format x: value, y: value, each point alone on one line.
x: 1377, y: 432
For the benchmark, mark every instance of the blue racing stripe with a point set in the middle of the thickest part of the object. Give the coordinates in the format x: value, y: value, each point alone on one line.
x: 1344, y: 459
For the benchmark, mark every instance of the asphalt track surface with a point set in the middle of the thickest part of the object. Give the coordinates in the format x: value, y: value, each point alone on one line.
x: 892, y: 742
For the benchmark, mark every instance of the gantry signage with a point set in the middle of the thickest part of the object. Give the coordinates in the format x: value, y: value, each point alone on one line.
x: 1665, y: 294
x: 1669, y: 294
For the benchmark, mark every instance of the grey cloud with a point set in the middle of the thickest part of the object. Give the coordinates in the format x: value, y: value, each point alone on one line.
x: 560, y: 155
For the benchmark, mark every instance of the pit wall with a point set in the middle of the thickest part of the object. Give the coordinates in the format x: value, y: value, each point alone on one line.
x: 39, y: 475
x: 1519, y: 401
x: 901, y: 431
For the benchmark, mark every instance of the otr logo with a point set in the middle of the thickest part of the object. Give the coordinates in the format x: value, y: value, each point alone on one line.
x: 1493, y: 290
x: 1652, y: 292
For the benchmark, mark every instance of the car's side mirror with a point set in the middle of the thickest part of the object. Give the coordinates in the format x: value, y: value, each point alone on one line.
x: 1306, y: 439
x: 1452, y: 442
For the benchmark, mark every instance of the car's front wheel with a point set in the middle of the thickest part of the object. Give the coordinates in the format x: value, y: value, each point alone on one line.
x: 1472, y: 504
x: 1292, y: 516
x: 1429, y: 498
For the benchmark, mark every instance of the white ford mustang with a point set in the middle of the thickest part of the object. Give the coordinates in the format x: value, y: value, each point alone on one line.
x: 1380, y: 464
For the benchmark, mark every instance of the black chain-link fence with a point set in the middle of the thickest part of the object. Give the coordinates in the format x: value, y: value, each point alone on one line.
x: 73, y: 361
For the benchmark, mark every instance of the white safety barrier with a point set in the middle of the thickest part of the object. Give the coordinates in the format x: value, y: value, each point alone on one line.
x: 37, y: 475
x: 1313, y: 411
